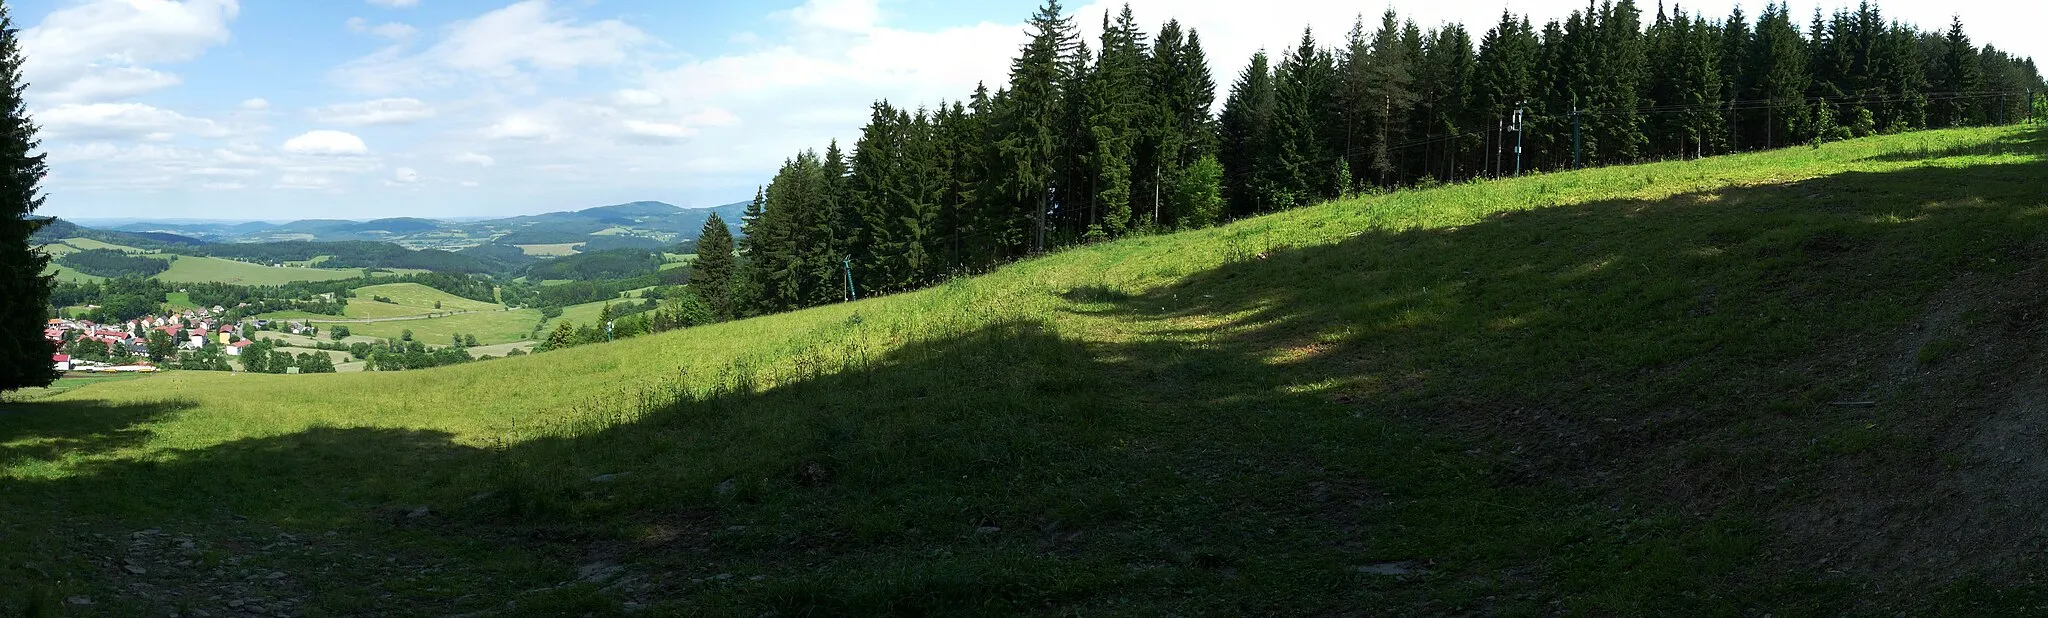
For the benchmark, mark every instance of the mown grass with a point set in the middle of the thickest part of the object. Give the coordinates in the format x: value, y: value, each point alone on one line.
x: 191, y: 269
x: 489, y: 327
x: 553, y: 250
x: 1598, y: 392
x: 409, y: 299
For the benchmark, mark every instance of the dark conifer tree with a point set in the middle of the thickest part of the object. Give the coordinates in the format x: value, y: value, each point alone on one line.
x: 1246, y: 134
x: 1960, y: 77
x: 712, y: 274
x: 1033, y: 115
x: 1300, y: 126
x: 24, y: 289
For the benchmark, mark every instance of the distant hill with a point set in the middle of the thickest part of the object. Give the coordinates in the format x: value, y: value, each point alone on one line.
x: 59, y: 229
x: 643, y: 224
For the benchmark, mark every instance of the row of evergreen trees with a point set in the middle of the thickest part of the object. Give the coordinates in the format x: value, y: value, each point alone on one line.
x: 1100, y: 141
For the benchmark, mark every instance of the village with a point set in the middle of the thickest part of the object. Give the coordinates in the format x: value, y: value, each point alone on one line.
x: 81, y: 345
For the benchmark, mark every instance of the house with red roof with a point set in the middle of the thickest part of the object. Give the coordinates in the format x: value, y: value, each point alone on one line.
x: 62, y: 361
x: 235, y: 349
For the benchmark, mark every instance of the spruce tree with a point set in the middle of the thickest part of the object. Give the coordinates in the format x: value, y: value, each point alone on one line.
x: 711, y: 276
x: 1959, y: 78
x: 1778, y: 72
x: 1389, y: 95
x: 1032, y: 118
x: 1302, y: 95
x: 24, y: 289
x: 1246, y: 139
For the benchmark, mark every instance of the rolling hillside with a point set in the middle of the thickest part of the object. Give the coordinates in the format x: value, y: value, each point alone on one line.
x: 1800, y: 382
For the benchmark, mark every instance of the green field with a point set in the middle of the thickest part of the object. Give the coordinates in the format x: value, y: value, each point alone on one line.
x: 1603, y: 392
x: 64, y: 273
x: 86, y: 244
x: 490, y: 327
x: 409, y: 299
x: 587, y: 313
x: 190, y: 269
x: 179, y: 301
x: 554, y: 250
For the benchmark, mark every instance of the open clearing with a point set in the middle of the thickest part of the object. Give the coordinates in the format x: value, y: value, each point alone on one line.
x: 489, y: 327
x: 190, y: 269
x: 1603, y: 392
x: 554, y: 250
x: 409, y: 299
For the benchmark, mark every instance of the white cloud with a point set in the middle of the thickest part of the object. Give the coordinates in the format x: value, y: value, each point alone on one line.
x: 255, y: 105
x: 406, y: 175
x: 469, y: 183
x: 520, y: 127
x: 223, y: 186
x: 634, y: 97
x: 391, y: 30
x: 658, y: 131
x: 502, y: 44
x: 841, y: 15
x: 121, y: 121
x: 396, y: 4
x: 380, y: 111
x: 98, y: 50
x: 325, y: 142
x: 481, y: 160
x: 304, y: 181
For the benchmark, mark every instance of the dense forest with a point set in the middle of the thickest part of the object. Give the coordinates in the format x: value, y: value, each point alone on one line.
x: 346, y: 254
x: 110, y: 263
x: 1101, y: 139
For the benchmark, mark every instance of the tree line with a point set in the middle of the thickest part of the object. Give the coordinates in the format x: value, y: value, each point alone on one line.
x: 1101, y: 139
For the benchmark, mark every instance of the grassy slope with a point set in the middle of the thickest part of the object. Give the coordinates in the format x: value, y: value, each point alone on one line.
x: 1595, y: 392
x: 490, y: 327
x: 409, y: 299
x: 188, y: 269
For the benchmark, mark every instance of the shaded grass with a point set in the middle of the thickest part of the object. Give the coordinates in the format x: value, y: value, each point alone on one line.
x: 1584, y: 393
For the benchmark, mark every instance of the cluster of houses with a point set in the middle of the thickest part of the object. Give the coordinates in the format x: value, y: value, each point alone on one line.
x: 198, y: 327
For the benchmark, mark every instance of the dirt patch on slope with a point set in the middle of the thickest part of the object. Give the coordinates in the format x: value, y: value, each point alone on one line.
x: 1955, y: 479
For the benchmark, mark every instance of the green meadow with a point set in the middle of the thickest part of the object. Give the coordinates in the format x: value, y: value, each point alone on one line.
x: 1786, y: 383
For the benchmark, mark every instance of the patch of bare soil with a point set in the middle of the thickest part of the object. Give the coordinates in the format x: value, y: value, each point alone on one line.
x: 1958, y: 484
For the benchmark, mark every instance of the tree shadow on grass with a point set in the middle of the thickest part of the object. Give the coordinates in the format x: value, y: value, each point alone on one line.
x: 1593, y: 409
x: 1689, y: 352
x: 39, y: 430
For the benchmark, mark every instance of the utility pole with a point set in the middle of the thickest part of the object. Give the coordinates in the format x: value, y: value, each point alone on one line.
x: 1038, y: 236
x: 1577, y: 147
x: 1155, y: 193
x: 847, y: 261
x: 1518, y: 137
x: 1733, y: 126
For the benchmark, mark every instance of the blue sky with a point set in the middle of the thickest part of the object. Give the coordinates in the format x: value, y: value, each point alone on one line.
x: 269, y: 109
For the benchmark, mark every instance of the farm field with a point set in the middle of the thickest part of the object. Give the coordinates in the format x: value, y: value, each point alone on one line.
x: 190, y: 269
x: 1611, y: 391
x: 409, y: 299
x: 489, y: 327
x: 554, y: 250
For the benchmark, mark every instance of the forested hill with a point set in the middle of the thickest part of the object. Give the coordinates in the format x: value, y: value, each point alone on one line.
x: 1100, y: 139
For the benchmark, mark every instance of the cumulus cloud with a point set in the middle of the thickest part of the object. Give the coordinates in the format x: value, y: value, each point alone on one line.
x: 471, y: 158
x: 380, y: 111
x: 505, y: 43
x: 100, y: 50
x: 121, y: 121
x: 658, y: 131
x: 326, y: 142
x: 390, y: 30
x: 520, y: 127
x: 255, y: 105
x: 634, y: 97
x: 406, y: 175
